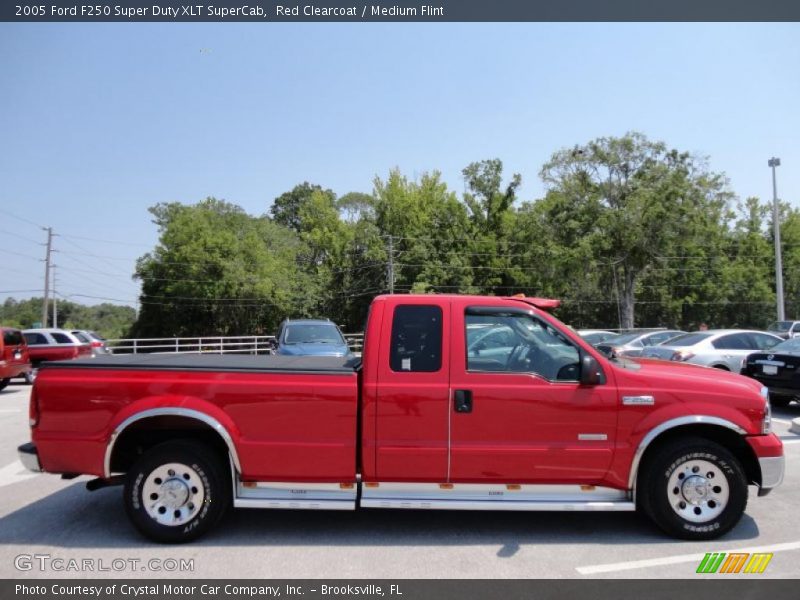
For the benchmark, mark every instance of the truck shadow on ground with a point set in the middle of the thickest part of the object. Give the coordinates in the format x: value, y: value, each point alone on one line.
x: 75, y: 518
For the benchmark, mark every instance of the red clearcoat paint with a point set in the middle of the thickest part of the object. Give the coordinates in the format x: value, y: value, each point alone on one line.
x: 303, y: 427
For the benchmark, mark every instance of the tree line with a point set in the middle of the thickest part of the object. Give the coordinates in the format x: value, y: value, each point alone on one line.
x: 629, y: 232
x: 109, y: 320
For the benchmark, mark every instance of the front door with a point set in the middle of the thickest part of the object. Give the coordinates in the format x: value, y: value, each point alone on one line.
x: 518, y: 413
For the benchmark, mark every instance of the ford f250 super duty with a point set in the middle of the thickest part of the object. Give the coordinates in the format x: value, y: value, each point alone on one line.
x: 459, y: 402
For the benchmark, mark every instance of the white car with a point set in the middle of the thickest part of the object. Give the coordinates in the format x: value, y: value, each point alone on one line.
x: 719, y: 348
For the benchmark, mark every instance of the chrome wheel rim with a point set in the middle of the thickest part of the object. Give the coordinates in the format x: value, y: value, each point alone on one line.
x: 698, y: 491
x: 173, y: 494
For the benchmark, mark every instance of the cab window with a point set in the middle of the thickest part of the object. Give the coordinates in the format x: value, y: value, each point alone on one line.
x: 511, y: 342
x: 416, y: 345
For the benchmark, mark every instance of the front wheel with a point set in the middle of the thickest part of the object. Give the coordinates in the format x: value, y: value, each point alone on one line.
x: 177, y: 491
x: 693, y: 488
x: 4, y: 383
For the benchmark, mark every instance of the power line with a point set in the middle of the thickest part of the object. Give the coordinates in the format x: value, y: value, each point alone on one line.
x: 22, y: 219
x: 22, y: 237
x: 90, y: 239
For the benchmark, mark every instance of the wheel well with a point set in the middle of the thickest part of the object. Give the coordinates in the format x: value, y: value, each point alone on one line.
x: 140, y: 436
x: 729, y: 439
x: 721, y: 367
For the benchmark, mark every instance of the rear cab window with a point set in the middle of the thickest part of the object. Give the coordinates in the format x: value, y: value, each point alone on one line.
x: 62, y: 338
x: 416, y: 342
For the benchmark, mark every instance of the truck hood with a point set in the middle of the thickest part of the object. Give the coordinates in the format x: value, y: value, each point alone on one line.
x: 686, y: 375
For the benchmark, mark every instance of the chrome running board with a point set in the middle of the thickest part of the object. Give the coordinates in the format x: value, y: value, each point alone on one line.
x: 469, y: 496
x: 459, y: 496
x: 310, y: 496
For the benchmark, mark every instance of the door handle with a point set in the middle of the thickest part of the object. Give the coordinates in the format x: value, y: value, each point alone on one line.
x: 462, y: 401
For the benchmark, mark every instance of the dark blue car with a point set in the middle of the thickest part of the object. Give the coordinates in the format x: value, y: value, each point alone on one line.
x: 310, y: 337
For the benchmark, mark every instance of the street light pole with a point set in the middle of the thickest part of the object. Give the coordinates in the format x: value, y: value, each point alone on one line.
x: 776, y: 162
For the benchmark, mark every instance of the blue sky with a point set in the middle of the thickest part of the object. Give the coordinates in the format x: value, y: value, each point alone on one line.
x: 100, y: 121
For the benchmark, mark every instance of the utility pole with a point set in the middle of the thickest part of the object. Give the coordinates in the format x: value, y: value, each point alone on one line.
x: 390, y: 266
x: 776, y: 162
x: 47, y: 275
x: 55, y: 299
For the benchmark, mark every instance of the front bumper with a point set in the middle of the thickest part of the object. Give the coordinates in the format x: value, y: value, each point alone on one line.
x: 29, y: 457
x: 772, y: 469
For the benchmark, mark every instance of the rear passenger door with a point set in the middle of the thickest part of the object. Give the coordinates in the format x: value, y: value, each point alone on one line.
x: 412, y: 394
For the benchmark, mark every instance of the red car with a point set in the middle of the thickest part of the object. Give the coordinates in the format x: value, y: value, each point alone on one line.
x: 14, y: 359
x: 459, y: 402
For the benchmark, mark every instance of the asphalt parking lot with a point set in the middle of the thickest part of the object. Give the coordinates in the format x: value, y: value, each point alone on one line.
x: 43, y: 515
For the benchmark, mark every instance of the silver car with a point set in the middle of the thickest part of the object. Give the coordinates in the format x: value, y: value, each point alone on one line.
x: 633, y: 343
x: 719, y: 348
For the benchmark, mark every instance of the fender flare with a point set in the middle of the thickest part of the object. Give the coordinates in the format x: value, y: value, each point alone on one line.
x: 170, y: 411
x: 666, y: 426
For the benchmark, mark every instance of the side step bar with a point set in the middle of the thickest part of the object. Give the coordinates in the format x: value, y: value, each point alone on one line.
x: 333, y: 496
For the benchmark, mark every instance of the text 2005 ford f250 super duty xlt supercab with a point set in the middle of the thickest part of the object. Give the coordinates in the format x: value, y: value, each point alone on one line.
x: 459, y: 402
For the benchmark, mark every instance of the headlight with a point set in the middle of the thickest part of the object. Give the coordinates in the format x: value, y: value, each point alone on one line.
x: 766, y: 423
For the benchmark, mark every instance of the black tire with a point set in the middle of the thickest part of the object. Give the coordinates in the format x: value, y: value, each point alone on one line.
x: 675, y: 460
x: 4, y: 383
x: 206, y: 476
x: 780, y: 401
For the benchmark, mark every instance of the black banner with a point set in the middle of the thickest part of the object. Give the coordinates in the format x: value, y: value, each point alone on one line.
x: 401, y: 10
x: 320, y: 589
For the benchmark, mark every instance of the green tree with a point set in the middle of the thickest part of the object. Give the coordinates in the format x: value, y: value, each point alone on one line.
x: 635, y: 201
x: 218, y: 271
x: 285, y: 209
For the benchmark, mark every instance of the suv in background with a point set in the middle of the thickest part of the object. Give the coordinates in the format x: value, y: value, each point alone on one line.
x: 14, y: 358
x: 53, y: 344
x: 785, y: 329
x: 310, y: 337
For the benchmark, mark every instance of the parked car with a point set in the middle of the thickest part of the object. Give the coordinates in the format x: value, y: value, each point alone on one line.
x: 96, y: 341
x: 778, y: 369
x: 53, y: 344
x: 416, y: 423
x: 310, y: 337
x: 719, y: 348
x: 595, y: 336
x: 785, y: 329
x: 14, y: 358
x: 632, y: 344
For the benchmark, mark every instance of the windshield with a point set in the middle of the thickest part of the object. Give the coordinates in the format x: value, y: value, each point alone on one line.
x: 789, y: 347
x: 316, y: 333
x: 781, y: 326
x: 687, y: 339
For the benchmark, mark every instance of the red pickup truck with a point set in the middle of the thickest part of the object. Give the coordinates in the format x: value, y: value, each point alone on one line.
x: 459, y: 402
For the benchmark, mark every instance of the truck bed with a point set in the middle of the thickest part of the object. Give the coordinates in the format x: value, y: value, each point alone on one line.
x: 309, y: 365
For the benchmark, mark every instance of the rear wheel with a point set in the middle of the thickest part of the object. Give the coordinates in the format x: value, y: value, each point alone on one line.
x: 4, y: 383
x: 693, y: 488
x: 177, y: 491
